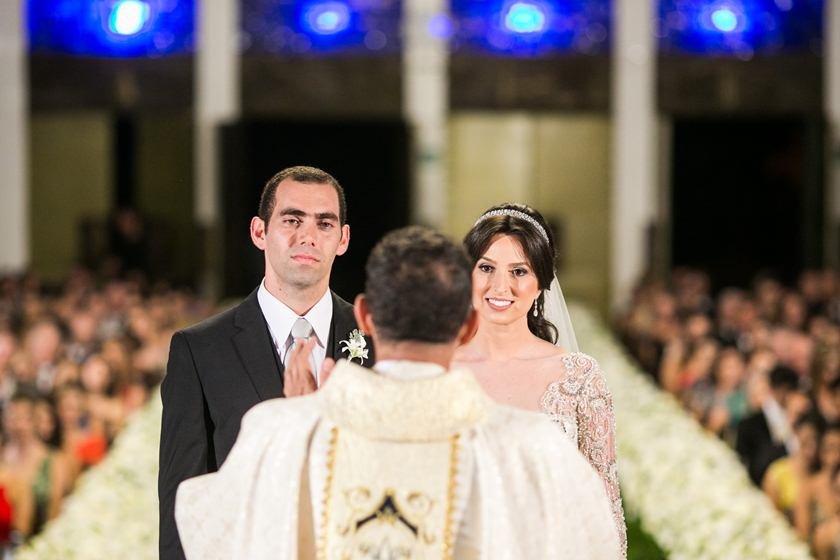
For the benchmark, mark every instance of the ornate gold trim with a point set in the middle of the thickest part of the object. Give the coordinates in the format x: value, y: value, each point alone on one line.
x: 448, y: 529
x: 325, y: 501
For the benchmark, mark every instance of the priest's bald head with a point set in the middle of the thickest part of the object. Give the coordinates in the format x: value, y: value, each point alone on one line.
x: 417, y: 299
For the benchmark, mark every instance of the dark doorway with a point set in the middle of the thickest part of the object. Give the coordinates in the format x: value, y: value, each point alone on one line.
x: 369, y: 159
x: 747, y: 197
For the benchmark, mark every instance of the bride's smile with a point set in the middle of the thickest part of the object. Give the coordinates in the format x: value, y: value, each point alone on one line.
x: 504, y: 286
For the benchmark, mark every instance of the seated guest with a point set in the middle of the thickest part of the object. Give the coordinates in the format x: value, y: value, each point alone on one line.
x: 827, y: 533
x: 83, y: 440
x: 720, y: 401
x: 44, y: 472
x: 16, y: 513
x: 816, y: 501
x: 766, y: 435
x: 785, y: 477
x: 408, y: 460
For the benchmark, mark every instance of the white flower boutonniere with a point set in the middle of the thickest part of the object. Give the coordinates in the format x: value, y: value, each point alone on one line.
x: 356, y: 345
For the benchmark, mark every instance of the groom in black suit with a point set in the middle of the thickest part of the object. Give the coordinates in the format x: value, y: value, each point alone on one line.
x: 222, y: 367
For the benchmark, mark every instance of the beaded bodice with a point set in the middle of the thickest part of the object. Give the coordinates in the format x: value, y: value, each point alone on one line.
x: 580, y: 402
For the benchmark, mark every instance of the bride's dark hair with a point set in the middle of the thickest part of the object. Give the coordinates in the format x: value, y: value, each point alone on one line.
x: 538, y: 250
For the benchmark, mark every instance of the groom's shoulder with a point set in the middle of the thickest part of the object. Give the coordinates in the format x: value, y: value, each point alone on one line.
x: 340, y: 305
x: 224, y: 321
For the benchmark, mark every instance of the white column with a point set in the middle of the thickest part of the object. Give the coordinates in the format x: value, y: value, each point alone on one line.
x: 633, y: 142
x: 426, y: 107
x: 831, y: 78
x: 14, y: 139
x: 216, y: 96
x: 217, y: 101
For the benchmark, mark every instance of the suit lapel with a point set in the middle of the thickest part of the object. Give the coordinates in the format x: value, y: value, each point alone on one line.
x: 256, y: 350
x: 342, y: 324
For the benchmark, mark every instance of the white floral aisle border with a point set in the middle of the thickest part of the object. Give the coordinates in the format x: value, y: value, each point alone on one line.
x: 687, y: 487
x: 113, y: 512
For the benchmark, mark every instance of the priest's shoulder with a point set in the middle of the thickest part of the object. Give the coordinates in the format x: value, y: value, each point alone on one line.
x: 282, y: 410
x: 530, y: 429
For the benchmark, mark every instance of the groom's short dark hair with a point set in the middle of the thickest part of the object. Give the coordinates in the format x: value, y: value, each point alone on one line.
x: 418, y: 286
x: 301, y: 174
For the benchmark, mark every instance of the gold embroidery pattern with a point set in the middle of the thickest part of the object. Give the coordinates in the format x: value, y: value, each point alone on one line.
x: 322, y: 540
x: 448, y: 530
x: 405, y: 520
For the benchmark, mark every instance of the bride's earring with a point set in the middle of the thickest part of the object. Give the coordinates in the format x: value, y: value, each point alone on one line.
x: 536, y: 313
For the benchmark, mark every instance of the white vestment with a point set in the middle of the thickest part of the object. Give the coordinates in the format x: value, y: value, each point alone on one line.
x: 418, y: 467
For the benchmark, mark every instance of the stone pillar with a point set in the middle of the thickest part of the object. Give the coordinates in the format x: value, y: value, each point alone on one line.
x: 217, y: 101
x: 633, y: 143
x: 14, y: 139
x: 426, y: 105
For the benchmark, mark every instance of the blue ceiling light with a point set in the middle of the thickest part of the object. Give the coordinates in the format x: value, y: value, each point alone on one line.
x: 740, y: 28
x: 525, y: 17
x: 111, y: 28
x: 724, y: 19
x: 321, y: 27
x: 128, y: 17
x: 327, y: 18
x: 531, y: 28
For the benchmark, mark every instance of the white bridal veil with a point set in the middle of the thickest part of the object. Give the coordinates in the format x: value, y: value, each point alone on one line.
x: 556, y: 311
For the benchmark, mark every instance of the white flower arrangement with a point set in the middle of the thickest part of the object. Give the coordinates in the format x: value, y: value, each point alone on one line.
x: 356, y: 346
x: 113, y: 511
x: 689, y: 489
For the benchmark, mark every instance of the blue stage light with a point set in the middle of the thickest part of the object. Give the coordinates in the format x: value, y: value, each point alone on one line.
x: 525, y: 17
x: 128, y: 17
x: 121, y: 28
x: 531, y: 28
x: 315, y: 27
x: 724, y: 19
x: 741, y: 28
x: 327, y: 18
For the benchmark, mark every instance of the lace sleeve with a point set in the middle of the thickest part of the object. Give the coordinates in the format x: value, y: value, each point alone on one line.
x: 596, y: 435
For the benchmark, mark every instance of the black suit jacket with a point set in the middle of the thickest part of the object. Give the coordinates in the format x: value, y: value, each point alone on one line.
x: 755, y: 446
x: 218, y: 370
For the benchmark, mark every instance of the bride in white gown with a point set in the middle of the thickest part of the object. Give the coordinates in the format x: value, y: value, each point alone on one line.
x: 523, y: 359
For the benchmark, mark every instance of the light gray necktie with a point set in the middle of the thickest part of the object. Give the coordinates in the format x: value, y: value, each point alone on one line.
x: 302, y: 329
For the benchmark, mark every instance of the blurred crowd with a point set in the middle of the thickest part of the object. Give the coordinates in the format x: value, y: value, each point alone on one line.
x: 75, y: 363
x: 760, y: 368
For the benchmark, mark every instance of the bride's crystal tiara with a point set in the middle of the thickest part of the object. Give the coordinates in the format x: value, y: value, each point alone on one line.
x: 516, y: 214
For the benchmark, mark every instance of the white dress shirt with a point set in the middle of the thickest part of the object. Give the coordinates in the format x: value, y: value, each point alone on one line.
x: 280, y: 319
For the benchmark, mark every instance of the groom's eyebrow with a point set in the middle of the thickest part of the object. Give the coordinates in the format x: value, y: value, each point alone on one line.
x: 326, y: 216
x: 301, y: 214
